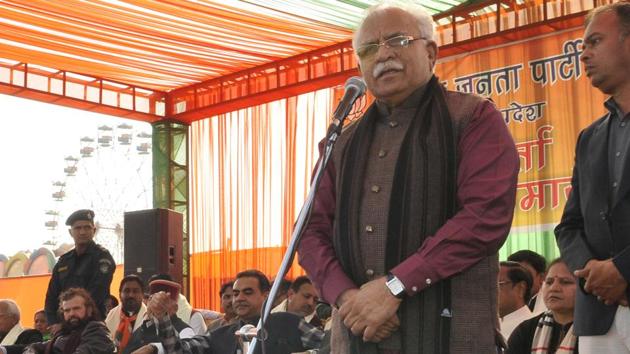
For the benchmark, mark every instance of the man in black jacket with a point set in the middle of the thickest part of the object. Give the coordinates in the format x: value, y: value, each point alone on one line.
x: 594, y: 233
x: 89, y: 266
x: 79, y: 332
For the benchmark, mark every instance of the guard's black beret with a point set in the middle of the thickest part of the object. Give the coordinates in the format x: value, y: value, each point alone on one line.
x: 83, y: 214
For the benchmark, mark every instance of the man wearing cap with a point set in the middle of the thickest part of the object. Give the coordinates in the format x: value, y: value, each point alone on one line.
x: 185, y: 311
x: 147, y: 333
x: 89, y: 266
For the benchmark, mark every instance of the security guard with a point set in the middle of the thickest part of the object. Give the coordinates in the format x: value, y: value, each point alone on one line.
x: 88, y: 265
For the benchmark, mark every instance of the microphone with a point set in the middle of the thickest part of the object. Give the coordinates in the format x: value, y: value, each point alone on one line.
x: 354, y: 88
x: 323, y: 311
x: 245, y: 335
x: 247, y: 332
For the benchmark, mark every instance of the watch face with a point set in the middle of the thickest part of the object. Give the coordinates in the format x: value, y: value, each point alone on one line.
x: 395, y: 286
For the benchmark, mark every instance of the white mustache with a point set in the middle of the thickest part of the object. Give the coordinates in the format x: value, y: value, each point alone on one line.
x: 380, y: 68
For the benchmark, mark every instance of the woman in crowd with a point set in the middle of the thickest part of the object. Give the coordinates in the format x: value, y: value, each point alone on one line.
x: 41, y: 324
x: 551, y: 331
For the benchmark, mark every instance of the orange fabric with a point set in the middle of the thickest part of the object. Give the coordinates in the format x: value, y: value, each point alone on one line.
x: 545, y: 142
x: 250, y: 171
x: 159, y: 45
x: 168, y: 45
x: 124, y: 330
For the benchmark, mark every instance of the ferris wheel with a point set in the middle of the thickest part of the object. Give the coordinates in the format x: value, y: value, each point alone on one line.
x: 110, y: 174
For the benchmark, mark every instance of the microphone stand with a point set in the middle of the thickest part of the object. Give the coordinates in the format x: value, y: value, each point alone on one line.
x: 331, y: 137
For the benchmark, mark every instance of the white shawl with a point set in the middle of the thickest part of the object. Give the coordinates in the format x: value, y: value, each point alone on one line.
x: 113, y: 319
x: 12, y: 336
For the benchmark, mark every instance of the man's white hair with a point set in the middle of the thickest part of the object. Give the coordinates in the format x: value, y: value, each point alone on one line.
x: 12, y: 308
x: 424, y: 19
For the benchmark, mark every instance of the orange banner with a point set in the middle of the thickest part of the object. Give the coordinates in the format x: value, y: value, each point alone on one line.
x: 541, y: 89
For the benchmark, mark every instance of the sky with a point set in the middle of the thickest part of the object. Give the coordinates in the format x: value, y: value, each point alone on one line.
x: 37, y: 137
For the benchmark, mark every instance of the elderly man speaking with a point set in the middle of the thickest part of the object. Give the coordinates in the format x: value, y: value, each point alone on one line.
x: 416, y: 202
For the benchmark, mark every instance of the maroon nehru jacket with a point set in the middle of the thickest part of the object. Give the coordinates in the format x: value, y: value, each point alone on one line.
x: 460, y: 243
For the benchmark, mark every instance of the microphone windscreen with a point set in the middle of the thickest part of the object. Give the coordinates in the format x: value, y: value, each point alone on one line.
x: 357, y: 83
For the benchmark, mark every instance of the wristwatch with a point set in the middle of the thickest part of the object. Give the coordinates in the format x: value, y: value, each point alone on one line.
x: 395, y: 286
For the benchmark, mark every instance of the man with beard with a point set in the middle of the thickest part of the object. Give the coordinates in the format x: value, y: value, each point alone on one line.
x: 80, y: 331
x: 126, y: 318
x: 286, y: 332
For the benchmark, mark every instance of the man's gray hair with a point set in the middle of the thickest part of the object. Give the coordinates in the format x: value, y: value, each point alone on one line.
x: 424, y: 19
x: 12, y: 308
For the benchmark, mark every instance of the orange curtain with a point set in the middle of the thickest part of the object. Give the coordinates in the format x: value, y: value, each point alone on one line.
x: 250, y: 172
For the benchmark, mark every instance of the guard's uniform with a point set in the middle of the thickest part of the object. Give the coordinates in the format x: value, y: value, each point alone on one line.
x: 93, y: 271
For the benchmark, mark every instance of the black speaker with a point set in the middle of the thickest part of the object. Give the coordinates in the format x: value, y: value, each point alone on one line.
x: 153, y: 243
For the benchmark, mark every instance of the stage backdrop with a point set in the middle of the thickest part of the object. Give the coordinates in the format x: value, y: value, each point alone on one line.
x: 251, y: 169
x: 546, y: 99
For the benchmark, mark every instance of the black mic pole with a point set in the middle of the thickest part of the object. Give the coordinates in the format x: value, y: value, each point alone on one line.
x: 355, y: 88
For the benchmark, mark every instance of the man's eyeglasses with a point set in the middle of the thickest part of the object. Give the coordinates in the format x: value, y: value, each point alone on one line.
x: 368, y: 50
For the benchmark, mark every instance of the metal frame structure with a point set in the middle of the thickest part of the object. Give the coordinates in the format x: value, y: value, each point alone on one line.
x: 459, y: 30
x: 81, y: 91
x: 170, y: 179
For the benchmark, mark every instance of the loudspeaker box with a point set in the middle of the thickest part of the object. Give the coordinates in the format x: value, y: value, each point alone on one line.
x: 153, y: 243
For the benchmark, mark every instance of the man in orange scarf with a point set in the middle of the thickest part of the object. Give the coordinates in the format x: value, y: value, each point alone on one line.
x: 125, y: 318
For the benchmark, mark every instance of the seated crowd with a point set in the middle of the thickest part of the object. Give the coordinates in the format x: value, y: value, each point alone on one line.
x: 536, y: 307
x: 131, y: 326
x: 81, y: 316
x: 535, y: 310
x: 527, y: 326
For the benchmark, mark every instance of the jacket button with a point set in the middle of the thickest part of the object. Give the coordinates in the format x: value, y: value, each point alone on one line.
x: 369, y: 272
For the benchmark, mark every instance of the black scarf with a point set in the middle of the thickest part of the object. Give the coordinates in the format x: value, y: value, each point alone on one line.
x: 423, y: 197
